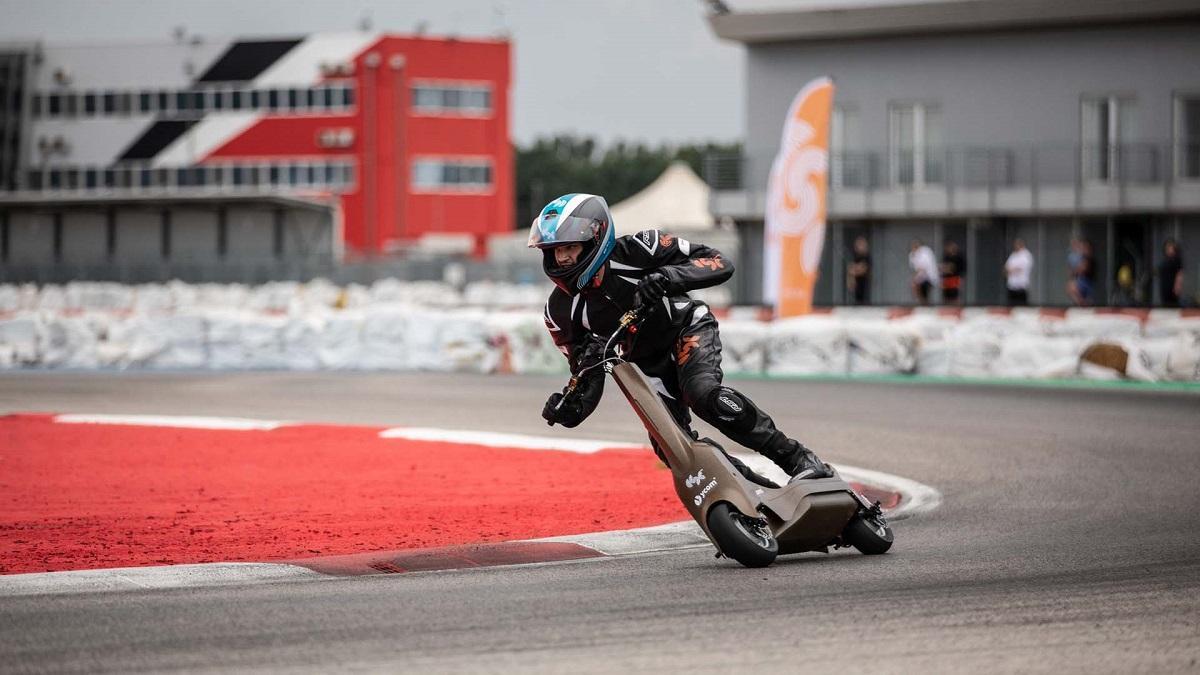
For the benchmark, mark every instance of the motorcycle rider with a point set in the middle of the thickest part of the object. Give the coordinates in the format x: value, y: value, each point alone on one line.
x: 598, y: 277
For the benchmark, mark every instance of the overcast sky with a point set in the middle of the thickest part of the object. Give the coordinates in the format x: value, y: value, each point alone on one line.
x: 643, y: 70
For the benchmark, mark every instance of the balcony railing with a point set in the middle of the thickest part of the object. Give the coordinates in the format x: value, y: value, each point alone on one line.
x: 141, y: 179
x: 972, y: 168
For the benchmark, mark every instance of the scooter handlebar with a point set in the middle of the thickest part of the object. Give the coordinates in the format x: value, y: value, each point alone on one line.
x: 629, y: 321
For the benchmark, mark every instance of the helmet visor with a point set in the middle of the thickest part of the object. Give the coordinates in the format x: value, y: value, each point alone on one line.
x: 550, y: 230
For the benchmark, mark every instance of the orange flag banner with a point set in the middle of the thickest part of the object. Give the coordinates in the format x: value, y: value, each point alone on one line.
x: 795, y: 212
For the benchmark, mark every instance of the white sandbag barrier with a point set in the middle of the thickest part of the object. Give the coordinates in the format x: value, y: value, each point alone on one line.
x: 490, y: 327
x: 19, y: 341
x: 807, y: 346
x: 340, y: 343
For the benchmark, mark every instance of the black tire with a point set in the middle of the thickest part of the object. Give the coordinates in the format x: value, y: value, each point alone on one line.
x: 868, y: 533
x: 750, y: 545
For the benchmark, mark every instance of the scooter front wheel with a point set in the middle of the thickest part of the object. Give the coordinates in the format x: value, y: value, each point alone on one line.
x: 746, y: 539
x: 869, y: 532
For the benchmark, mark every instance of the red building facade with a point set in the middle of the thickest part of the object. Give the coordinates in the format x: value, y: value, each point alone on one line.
x: 424, y: 126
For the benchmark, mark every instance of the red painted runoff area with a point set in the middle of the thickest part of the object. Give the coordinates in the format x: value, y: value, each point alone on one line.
x: 84, y: 496
x: 88, y: 496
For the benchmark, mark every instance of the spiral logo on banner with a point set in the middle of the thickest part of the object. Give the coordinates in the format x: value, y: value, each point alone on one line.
x: 795, y: 210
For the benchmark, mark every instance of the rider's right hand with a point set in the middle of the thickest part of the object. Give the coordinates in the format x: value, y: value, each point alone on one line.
x: 566, y: 411
x: 652, y: 288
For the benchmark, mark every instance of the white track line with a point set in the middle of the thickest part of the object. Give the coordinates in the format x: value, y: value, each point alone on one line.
x: 175, y: 421
x: 684, y: 534
x: 497, y: 440
x: 915, y: 498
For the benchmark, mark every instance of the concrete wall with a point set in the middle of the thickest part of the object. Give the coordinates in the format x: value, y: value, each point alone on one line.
x: 85, y: 237
x: 251, y: 234
x: 308, y: 244
x: 194, y: 235
x: 31, y: 238
x: 306, y: 233
x: 139, y: 236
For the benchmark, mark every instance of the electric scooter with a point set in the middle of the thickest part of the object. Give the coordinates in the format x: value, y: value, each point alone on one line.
x: 745, y: 520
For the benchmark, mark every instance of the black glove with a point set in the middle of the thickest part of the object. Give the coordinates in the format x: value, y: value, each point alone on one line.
x: 566, y: 411
x: 586, y: 353
x: 652, y: 288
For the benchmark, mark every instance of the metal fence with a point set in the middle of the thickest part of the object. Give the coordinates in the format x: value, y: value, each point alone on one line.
x: 258, y: 271
x: 228, y: 178
x: 979, y: 167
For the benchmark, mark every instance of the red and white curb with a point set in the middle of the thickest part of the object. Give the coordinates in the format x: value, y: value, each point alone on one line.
x: 158, y: 578
x: 915, y: 498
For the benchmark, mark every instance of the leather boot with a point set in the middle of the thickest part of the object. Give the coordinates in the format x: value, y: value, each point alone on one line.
x: 796, y: 460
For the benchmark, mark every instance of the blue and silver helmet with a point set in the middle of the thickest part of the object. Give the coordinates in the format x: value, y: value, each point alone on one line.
x: 574, y: 219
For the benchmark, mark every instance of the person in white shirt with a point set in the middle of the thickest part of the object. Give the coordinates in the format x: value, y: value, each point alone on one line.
x: 924, y: 270
x: 1018, y: 269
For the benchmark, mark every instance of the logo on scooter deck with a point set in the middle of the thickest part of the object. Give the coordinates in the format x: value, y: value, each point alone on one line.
x: 693, y: 481
x: 699, y: 499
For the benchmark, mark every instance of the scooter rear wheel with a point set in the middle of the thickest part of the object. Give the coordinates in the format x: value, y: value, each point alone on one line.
x: 741, y: 537
x: 869, y: 533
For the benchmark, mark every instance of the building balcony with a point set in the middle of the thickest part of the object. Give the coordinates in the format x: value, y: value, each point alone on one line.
x: 71, y: 184
x: 1041, y: 180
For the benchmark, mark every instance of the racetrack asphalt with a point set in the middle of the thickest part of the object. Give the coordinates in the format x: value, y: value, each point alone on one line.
x: 1068, y: 540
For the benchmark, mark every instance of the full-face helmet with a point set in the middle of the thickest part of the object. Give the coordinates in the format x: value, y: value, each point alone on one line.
x: 574, y: 219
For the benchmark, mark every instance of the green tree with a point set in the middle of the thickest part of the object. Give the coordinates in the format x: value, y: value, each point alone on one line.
x: 565, y: 163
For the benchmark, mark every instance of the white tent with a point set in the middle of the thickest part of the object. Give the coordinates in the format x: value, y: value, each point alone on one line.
x: 676, y: 201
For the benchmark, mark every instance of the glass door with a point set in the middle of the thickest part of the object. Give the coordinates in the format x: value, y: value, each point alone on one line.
x: 915, y: 140
x: 1104, y: 125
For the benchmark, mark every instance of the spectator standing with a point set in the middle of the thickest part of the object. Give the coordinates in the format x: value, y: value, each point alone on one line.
x: 954, y: 266
x: 924, y: 270
x: 1125, y: 293
x: 858, y: 275
x: 1018, y: 270
x: 1087, y: 274
x: 1082, y: 284
x: 1170, y: 274
x: 1074, y: 260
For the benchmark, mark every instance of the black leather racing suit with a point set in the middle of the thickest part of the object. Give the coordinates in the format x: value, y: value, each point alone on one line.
x: 678, y: 345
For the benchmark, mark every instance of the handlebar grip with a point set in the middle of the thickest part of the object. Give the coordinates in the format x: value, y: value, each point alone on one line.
x: 572, y: 384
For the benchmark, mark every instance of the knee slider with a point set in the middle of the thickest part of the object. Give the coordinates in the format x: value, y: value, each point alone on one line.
x: 730, y: 407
